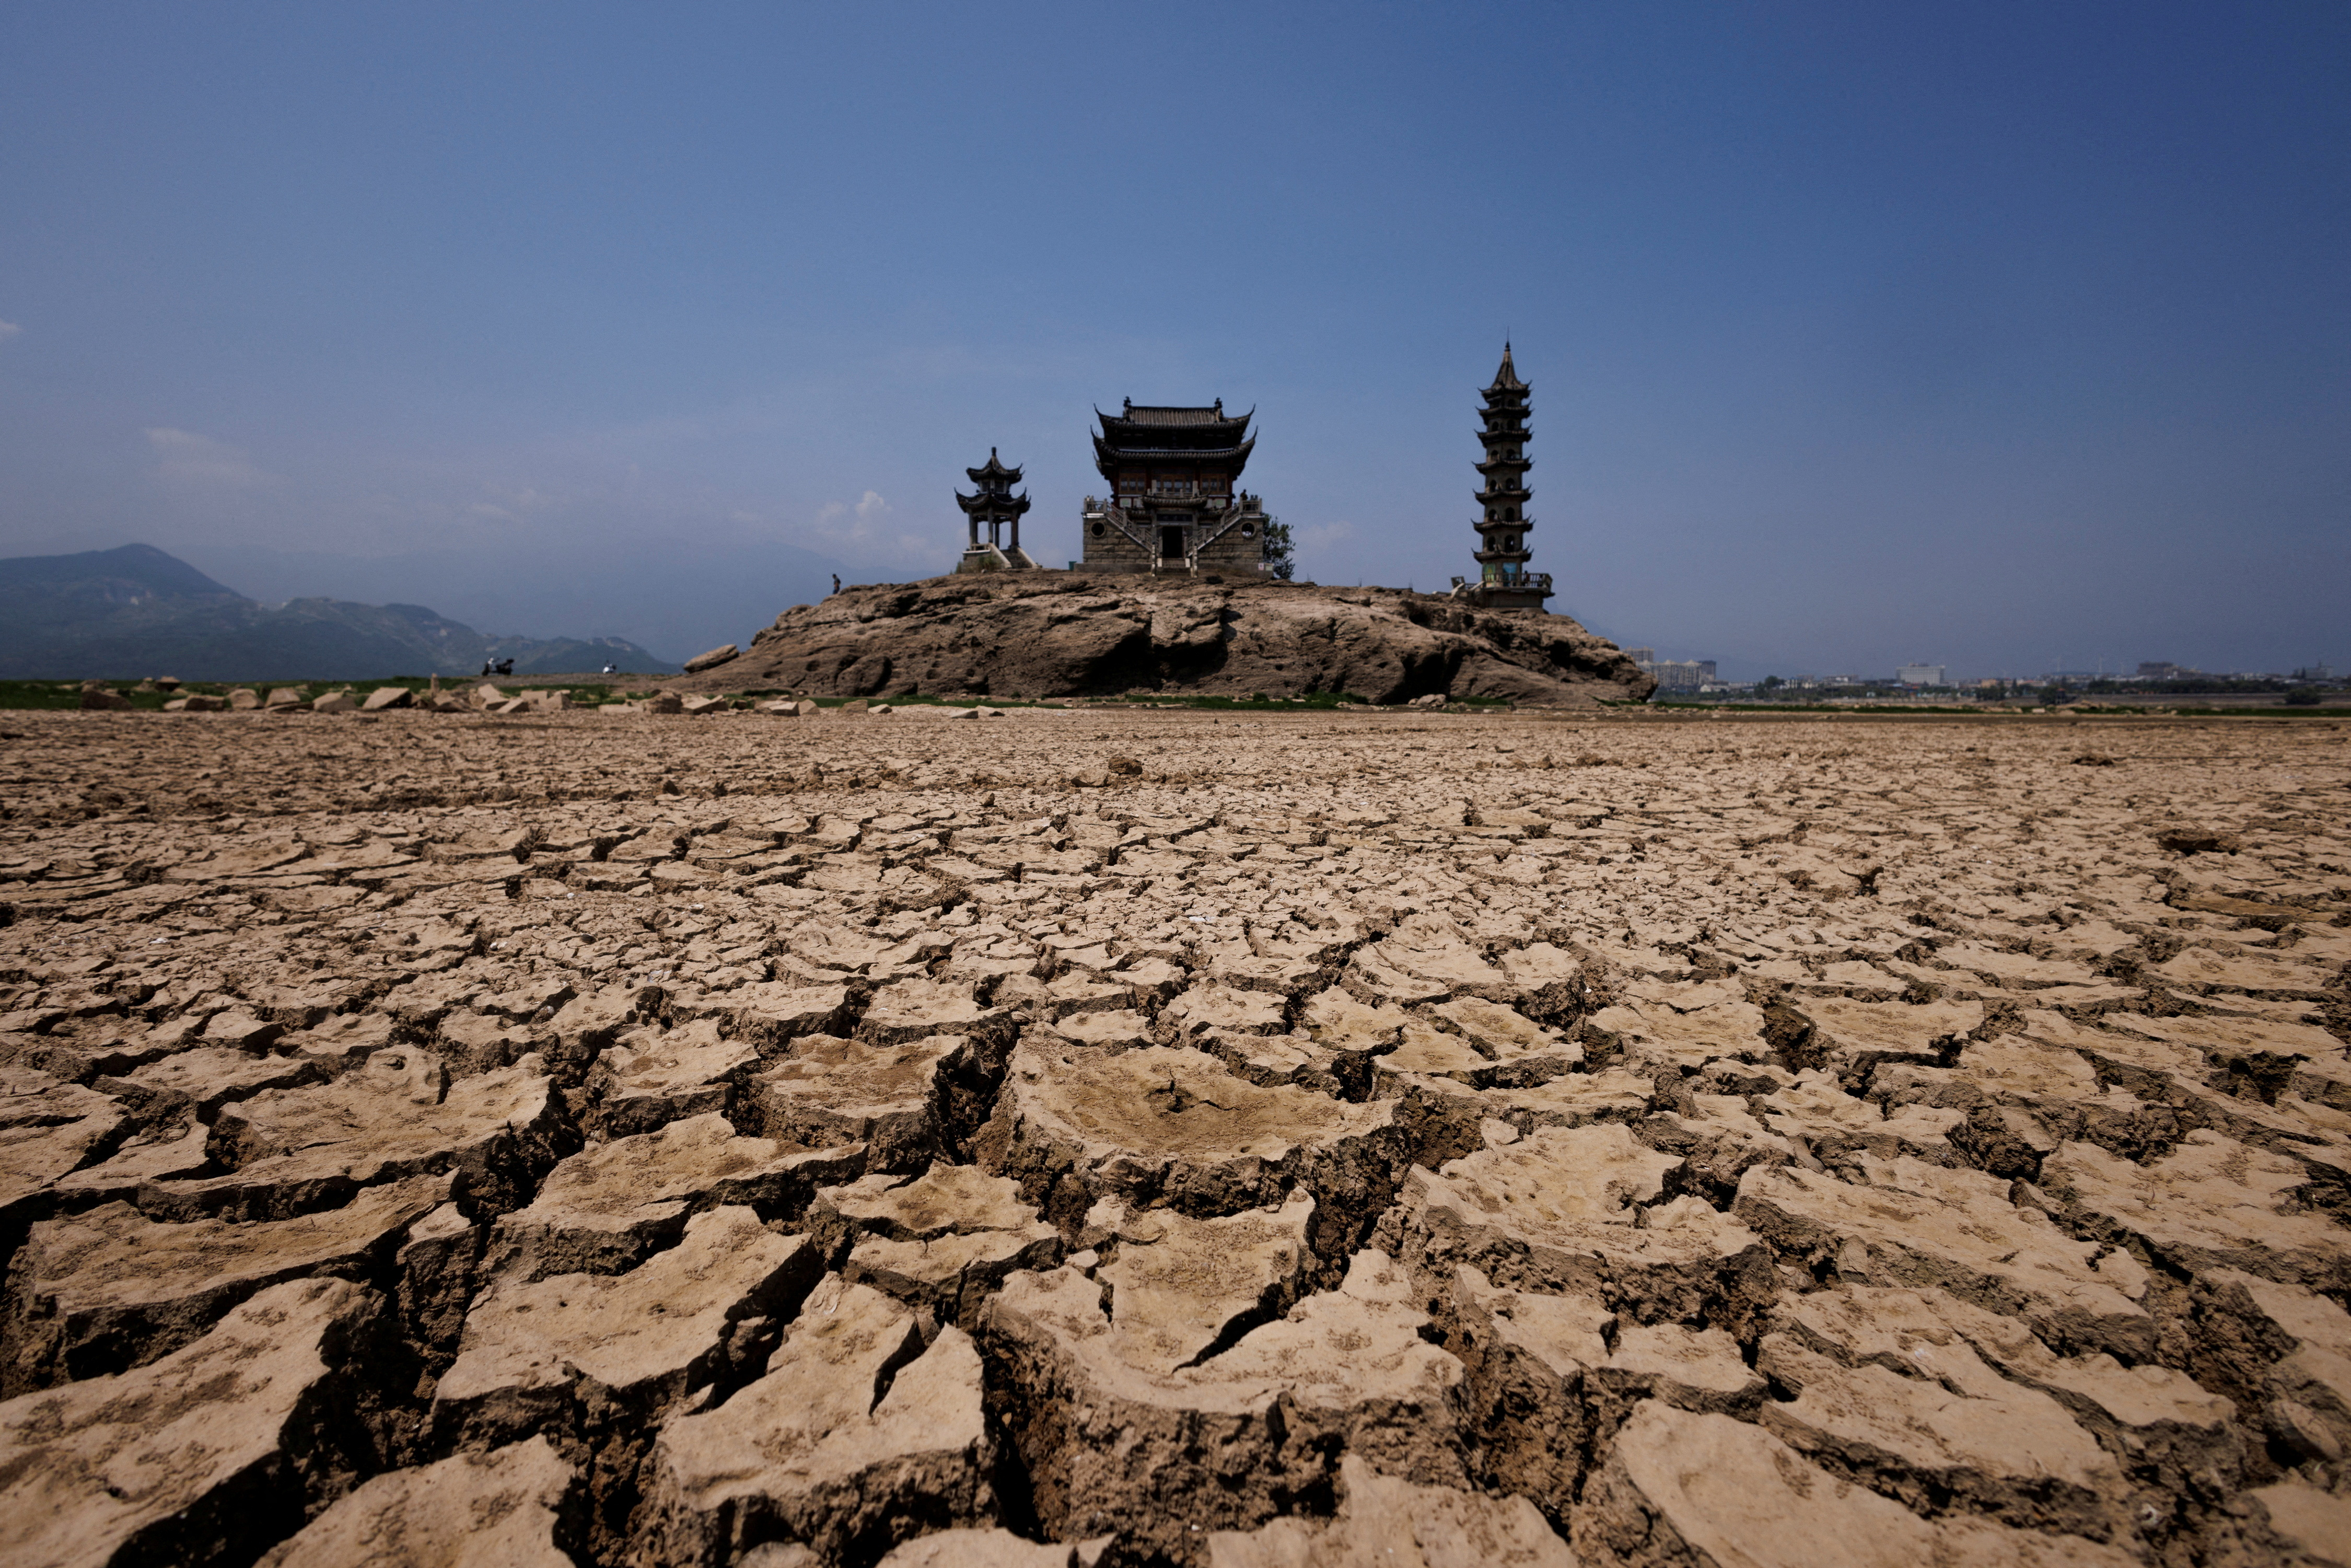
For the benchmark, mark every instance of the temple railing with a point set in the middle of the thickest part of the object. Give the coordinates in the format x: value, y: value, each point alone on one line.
x: 1525, y: 582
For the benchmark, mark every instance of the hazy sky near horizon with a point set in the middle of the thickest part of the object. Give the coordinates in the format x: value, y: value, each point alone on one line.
x: 2014, y: 336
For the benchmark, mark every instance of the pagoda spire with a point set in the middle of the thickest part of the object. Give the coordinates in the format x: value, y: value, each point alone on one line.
x: 1503, y: 581
x: 1506, y: 378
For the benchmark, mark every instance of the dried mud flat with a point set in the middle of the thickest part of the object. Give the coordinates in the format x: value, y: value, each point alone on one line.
x: 1097, y: 1136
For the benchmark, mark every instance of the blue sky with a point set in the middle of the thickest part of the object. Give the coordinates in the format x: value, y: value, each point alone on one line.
x: 2010, y: 336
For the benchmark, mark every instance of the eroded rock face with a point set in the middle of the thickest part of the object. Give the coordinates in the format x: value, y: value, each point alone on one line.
x: 1042, y: 634
x: 1079, y: 1137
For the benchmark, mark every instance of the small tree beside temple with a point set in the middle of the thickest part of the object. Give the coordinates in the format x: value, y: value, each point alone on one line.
x: 1279, y: 561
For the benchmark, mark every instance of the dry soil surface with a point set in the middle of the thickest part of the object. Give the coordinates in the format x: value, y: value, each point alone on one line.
x: 1102, y: 1136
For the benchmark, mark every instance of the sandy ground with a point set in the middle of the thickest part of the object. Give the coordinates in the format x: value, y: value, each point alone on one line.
x: 1106, y: 1136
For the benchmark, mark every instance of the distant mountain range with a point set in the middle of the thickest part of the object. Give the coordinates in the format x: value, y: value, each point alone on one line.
x: 136, y: 612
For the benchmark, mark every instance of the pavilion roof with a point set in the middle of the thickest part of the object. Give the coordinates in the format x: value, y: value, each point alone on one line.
x: 995, y: 469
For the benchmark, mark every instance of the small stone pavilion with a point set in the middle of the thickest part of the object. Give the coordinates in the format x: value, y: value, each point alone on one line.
x: 1503, y: 581
x: 998, y: 511
x: 1173, y: 506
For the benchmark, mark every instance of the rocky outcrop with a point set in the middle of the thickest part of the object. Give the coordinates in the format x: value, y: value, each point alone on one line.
x: 1060, y: 633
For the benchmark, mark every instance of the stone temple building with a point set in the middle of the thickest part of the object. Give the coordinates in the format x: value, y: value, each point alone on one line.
x: 996, y: 509
x: 1173, y: 505
x: 1503, y: 581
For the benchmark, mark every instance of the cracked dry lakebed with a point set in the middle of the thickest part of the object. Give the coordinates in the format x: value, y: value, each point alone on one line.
x: 1115, y: 1136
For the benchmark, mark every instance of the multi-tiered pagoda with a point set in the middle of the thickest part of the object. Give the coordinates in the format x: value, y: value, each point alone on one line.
x: 1171, y: 505
x: 1503, y: 581
x: 997, y: 509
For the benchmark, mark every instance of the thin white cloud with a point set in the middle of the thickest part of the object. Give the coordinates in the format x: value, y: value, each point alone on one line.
x: 184, y: 457
x: 9, y: 329
x: 860, y: 522
x: 1319, y: 535
x: 867, y: 529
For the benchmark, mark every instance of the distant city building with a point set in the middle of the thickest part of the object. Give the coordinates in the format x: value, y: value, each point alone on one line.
x: 1920, y: 675
x: 1642, y: 656
x: 2161, y: 670
x: 1678, y: 675
x: 1503, y: 581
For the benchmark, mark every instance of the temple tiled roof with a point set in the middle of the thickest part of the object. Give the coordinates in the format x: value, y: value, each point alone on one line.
x: 1173, y: 429
x: 1109, y: 454
x: 1161, y: 413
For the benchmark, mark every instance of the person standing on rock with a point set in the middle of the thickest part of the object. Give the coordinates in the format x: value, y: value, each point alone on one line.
x: 836, y: 582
